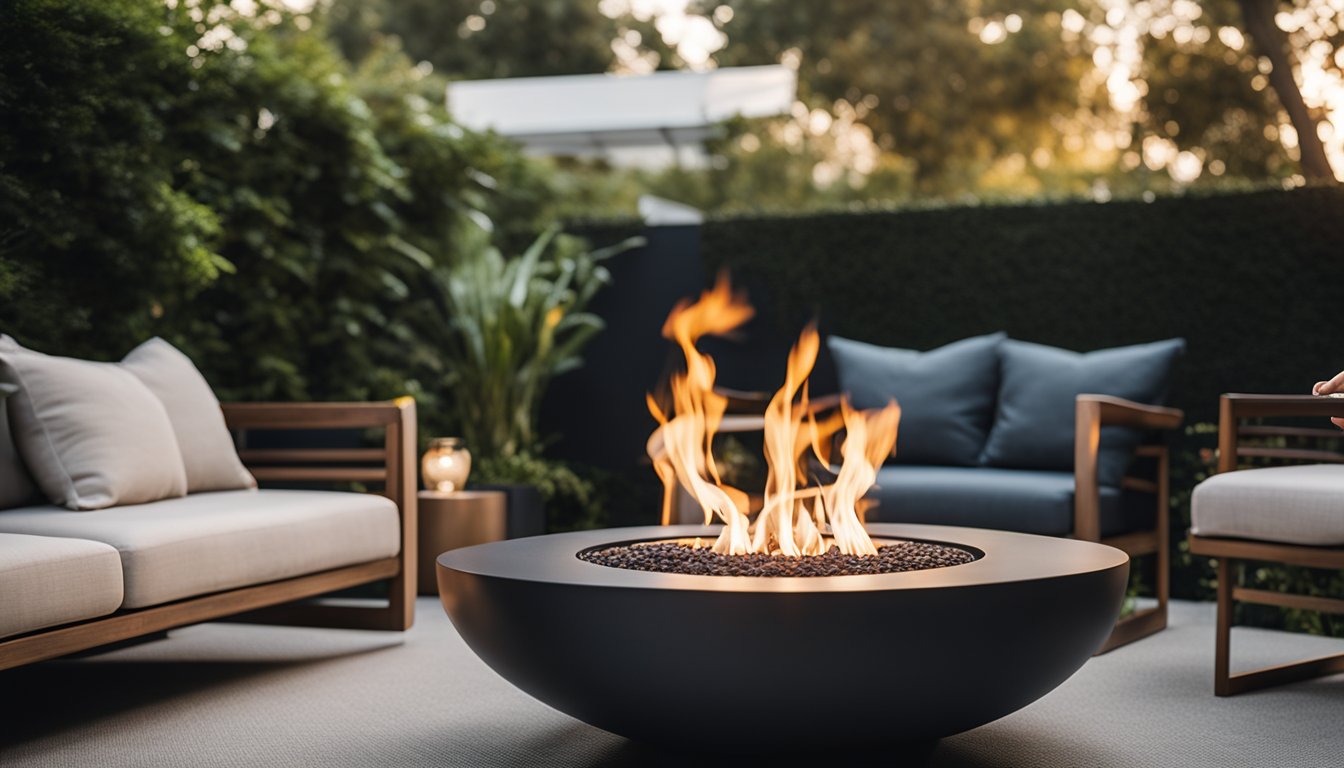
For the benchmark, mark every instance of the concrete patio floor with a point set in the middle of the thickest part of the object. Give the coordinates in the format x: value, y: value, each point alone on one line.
x: 239, y: 695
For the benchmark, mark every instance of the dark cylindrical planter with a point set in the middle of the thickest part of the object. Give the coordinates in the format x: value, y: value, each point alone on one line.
x: 527, y: 509
x: 776, y: 663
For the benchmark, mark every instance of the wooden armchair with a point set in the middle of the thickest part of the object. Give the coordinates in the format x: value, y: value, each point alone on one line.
x: 1286, y: 531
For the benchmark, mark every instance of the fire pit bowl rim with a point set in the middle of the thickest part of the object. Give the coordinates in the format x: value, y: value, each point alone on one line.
x: 1005, y: 557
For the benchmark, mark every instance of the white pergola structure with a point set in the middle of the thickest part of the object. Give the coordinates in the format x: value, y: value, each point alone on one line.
x: 646, y: 120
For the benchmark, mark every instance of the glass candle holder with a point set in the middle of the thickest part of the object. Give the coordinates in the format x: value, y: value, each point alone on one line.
x: 446, y: 465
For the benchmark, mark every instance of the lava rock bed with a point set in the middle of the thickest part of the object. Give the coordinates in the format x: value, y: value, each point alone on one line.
x: 674, y: 557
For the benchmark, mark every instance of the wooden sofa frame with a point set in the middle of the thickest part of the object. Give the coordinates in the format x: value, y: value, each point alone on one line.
x: 392, y: 466
x: 1231, y: 553
x: 1092, y: 412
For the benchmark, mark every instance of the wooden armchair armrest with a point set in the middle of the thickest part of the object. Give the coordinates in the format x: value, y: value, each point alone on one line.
x: 1119, y: 412
x: 1233, y: 407
x: 1092, y: 412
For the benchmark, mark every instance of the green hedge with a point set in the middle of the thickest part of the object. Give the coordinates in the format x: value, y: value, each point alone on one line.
x: 1252, y: 281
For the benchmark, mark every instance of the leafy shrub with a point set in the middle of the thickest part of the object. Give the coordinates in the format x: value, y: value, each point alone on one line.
x: 575, y: 496
x: 98, y: 240
x: 228, y: 181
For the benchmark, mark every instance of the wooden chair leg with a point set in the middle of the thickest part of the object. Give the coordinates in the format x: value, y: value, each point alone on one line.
x: 1227, y: 684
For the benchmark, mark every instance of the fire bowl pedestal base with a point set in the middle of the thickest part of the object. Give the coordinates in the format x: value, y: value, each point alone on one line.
x: 747, y: 663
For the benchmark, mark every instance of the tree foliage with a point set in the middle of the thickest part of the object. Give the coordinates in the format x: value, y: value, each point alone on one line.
x: 1051, y: 96
x: 97, y: 240
x: 228, y: 181
x: 479, y: 39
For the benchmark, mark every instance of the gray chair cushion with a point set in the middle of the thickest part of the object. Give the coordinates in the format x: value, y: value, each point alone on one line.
x: 1034, y: 425
x: 46, y: 581
x: 209, y: 542
x: 1027, y: 501
x: 946, y: 394
x: 1290, y: 505
x: 16, y: 486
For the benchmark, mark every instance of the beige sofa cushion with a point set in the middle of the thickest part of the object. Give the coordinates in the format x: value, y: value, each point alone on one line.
x: 92, y: 434
x: 208, y: 453
x: 209, y: 542
x: 16, y: 486
x: 1291, y: 505
x: 47, y: 581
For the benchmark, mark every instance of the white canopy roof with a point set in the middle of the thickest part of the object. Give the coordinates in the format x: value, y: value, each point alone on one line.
x: 593, y: 114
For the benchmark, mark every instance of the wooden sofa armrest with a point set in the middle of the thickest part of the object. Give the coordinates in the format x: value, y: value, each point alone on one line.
x: 1233, y: 407
x: 393, y: 465
x: 1092, y: 412
x: 316, y: 415
x: 743, y: 403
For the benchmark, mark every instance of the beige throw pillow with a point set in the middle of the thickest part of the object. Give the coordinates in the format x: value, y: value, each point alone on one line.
x: 16, y: 485
x: 208, y: 452
x: 92, y: 434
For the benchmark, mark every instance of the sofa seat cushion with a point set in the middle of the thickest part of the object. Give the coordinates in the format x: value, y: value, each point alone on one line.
x: 1290, y: 505
x: 208, y: 542
x: 1026, y: 501
x: 46, y: 581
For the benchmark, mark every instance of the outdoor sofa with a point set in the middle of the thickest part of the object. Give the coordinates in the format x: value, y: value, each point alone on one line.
x: 100, y: 544
x: 1011, y: 435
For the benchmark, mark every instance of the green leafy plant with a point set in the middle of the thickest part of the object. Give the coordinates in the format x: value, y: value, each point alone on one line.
x: 507, y: 327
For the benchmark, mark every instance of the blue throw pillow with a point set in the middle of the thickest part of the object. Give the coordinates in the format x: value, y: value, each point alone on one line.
x: 946, y: 394
x: 1034, y: 426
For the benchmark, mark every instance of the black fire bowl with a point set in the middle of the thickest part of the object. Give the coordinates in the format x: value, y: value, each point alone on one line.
x: 751, y: 663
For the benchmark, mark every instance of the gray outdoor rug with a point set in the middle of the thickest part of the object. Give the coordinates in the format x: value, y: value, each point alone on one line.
x: 239, y: 695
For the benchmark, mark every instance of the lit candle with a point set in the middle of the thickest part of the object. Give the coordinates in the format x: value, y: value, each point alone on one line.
x: 446, y: 465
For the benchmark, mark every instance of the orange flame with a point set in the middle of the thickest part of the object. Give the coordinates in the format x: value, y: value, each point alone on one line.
x: 797, y: 519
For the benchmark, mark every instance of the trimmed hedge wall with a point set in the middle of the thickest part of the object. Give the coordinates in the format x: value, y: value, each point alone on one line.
x: 1252, y: 281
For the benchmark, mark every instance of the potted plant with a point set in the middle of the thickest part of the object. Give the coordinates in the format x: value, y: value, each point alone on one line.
x: 505, y: 327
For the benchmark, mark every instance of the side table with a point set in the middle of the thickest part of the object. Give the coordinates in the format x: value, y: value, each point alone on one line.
x: 452, y: 520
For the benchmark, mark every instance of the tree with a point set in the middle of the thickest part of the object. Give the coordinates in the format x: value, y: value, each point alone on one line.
x: 1273, y: 43
x: 480, y: 39
x: 955, y: 88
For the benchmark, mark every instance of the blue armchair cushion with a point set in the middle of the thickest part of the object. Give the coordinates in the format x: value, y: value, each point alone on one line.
x: 1023, y: 500
x: 1034, y: 425
x: 946, y: 394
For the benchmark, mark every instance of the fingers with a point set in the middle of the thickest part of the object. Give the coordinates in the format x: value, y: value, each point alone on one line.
x: 1326, y: 387
x: 1339, y: 422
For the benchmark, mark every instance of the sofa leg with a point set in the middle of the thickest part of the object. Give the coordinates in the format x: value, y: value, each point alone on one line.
x: 1149, y: 621
x: 1222, y: 681
x: 1136, y: 626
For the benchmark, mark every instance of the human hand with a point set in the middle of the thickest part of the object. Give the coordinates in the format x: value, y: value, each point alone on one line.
x: 1332, y: 388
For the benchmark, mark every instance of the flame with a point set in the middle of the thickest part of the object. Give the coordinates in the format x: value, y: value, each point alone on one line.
x: 797, y: 519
